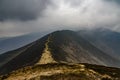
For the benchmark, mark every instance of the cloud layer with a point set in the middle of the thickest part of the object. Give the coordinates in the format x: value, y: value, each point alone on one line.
x: 24, y: 16
x: 21, y: 9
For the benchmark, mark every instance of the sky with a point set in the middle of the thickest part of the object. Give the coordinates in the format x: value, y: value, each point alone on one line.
x: 18, y: 17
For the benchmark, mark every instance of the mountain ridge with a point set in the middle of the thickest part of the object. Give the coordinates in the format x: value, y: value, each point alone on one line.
x: 65, y: 47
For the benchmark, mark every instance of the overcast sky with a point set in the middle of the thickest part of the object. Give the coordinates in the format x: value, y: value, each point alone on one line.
x: 19, y: 17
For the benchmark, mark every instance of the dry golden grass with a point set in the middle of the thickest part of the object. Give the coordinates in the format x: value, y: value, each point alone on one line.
x: 60, y: 71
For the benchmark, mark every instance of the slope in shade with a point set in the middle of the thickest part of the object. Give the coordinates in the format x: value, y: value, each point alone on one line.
x: 67, y: 46
x: 104, y: 39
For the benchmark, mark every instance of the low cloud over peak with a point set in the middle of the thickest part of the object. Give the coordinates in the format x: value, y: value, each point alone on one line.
x: 24, y: 16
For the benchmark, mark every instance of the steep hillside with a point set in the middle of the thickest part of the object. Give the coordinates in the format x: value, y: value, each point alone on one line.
x: 58, y: 47
x: 67, y: 46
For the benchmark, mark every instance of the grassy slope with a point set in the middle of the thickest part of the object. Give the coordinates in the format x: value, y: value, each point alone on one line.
x: 62, y: 71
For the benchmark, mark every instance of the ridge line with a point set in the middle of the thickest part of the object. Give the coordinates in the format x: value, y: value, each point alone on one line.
x: 46, y: 55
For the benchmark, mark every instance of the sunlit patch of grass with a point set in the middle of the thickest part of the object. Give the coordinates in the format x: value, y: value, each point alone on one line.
x: 62, y: 71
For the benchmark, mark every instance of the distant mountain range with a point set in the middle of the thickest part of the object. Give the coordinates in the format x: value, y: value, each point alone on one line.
x: 106, y: 40
x: 63, y: 48
x: 12, y: 43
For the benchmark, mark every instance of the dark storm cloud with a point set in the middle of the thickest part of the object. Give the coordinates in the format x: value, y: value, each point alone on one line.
x: 21, y: 9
